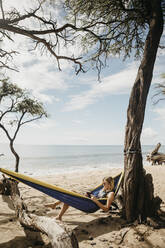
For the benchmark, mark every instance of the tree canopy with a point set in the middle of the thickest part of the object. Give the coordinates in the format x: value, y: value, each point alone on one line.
x: 104, y: 28
x: 17, y: 107
x: 112, y: 27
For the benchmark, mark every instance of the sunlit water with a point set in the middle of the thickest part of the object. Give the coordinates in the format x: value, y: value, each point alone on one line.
x: 55, y: 159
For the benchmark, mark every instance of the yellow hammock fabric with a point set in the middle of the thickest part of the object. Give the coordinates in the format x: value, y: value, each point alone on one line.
x: 73, y: 199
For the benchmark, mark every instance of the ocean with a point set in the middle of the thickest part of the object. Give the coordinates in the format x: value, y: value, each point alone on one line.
x: 56, y: 159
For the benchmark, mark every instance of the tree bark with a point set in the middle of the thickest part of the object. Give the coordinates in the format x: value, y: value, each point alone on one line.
x: 59, y: 234
x: 15, y: 154
x: 133, y: 166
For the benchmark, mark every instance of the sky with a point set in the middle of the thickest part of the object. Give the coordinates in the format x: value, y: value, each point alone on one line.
x: 82, y: 110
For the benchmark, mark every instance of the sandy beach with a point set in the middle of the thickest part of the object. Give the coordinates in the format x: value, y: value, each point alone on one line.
x: 97, y: 230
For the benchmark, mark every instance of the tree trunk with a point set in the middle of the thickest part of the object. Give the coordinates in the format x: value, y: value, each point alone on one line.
x: 59, y: 234
x: 15, y: 154
x: 134, y: 182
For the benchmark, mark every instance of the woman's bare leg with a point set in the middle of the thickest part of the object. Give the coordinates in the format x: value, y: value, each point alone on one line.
x: 62, y: 212
x: 53, y: 205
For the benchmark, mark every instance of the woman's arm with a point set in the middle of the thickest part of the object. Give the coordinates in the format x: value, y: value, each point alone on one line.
x: 109, y: 201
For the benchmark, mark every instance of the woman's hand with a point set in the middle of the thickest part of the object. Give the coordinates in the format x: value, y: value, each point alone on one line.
x: 88, y: 194
x: 108, y: 204
x: 93, y: 198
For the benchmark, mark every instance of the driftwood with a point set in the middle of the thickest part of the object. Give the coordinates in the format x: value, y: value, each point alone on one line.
x: 155, y: 157
x: 60, y: 236
x: 158, y: 159
x: 155, y: 151
x: 4, y: 186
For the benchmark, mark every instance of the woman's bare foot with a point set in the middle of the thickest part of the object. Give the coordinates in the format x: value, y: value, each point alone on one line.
x: 52, y: 205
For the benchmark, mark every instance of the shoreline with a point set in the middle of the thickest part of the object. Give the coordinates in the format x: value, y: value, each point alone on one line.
x: 57, y: 171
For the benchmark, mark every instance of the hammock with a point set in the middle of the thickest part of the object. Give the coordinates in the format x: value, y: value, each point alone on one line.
x: 73, y: 199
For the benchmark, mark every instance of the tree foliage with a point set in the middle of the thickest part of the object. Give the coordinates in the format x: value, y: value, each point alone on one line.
x: 38, y: 26
x: 17, y: 108
x: 104, y: 28
x: 112, y: 28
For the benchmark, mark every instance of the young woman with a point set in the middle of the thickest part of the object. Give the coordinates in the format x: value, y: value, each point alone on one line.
x: 106, y: 191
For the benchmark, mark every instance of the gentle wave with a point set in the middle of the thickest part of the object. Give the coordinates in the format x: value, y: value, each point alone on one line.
x: 45, y: 160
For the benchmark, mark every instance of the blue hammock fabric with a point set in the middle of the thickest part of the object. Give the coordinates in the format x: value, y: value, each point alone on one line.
x: 73, y: 199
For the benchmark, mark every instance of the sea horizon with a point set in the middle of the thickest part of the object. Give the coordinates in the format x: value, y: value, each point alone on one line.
x: 56, y: 159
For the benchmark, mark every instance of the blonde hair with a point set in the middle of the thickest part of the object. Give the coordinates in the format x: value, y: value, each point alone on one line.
x: 110, y: 181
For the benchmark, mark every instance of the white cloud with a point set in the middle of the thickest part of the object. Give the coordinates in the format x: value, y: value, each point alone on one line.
x: 119, y: 83
x: 56, y: 99
x: 77, y: 122
x: 79, y: 139
x: 149, y: 136
x: 158, y: 70
x: 43, y: 124
x: 37, y: 72
x: 38, y: 75
x: 90, y: 137
x: 148, y: 133
x: 22, y: 43
x: 161, y: 52
x: 161, y: 114
x: 8, y: 5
